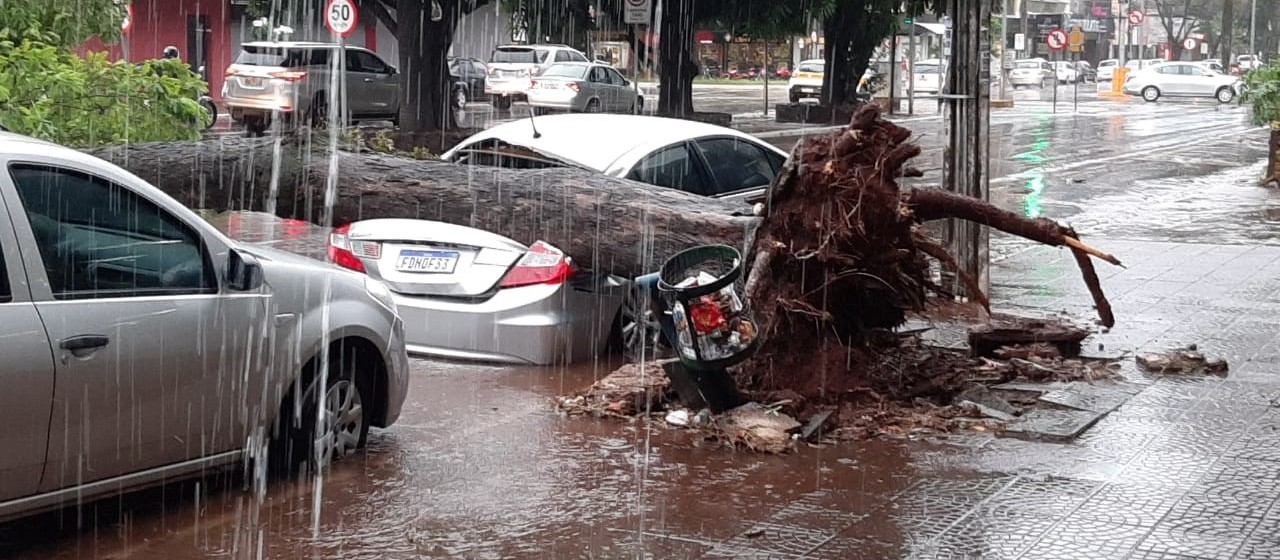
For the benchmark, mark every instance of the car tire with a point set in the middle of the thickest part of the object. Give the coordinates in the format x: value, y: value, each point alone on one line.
x: 1225, y: 95
x: 255, y: 126
x: 636, y: 333
x: 637, y: 108
x: 460, y: 97
x: 318, y: 114
x: 502, y: 103
x: 593, y: 106
x: 1150, y: 94
x: 297, y: 448
x: 794, y: 98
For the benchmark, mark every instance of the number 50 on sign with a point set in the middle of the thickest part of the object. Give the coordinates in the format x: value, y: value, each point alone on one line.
x: 341, y: 17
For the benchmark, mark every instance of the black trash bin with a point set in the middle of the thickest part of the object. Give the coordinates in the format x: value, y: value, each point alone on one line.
x: 714, y: 326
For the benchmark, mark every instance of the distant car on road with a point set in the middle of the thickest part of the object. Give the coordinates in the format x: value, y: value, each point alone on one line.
x: 927, y: 76
x: 512, y: 67
x: 1086, y: 71
x: 140, y: 341
x: 1214, y: 65
x: 691, y: 156
x: 292, y: 79
x: 1065, y: 72
x: 806, y: 81
x: 1107, y: 69
x: 1031, y: 72
x: 1182, y: 79
x: 466, y: 293
x: 469, y: 77
x: 1248, y: 62
x: 583, y: 87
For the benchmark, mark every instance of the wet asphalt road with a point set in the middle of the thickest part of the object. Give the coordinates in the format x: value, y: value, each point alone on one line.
x: 480, y: 466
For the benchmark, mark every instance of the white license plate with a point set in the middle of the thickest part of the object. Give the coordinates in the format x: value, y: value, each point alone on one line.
x: 426, y: 261
x: 251, y: 82
x: 807, y: 90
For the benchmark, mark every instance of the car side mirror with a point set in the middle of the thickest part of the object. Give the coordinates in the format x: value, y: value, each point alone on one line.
x: 244, y: 273
x: 393, y: 69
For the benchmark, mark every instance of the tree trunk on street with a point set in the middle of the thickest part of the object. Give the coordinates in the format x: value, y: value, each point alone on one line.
x: 1273, y: 157
x: 1227, y: 32
x: 852, y: 32
x: 606, y: 224
x: 424, y: 49
x: 676, y: 68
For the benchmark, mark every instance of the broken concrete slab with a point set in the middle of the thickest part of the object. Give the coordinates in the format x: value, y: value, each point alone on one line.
x: 1181, y: 361
x: 983, y: 397
x: 1090, y: 397
x: 985, y: 340
x: 759, y: 428
x: 1052, y: 425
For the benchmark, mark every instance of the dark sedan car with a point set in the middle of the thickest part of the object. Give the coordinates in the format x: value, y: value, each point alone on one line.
x: 469, y: 74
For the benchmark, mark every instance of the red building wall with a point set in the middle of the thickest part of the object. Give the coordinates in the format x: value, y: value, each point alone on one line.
x: 160, y: 23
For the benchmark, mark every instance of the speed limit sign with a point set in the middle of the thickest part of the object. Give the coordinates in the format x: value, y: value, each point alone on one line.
x: 341, y: 17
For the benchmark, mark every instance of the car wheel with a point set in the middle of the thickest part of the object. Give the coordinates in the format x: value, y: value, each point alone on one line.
x: 210, y: 108
x: 1225, y: 95
x: 593, y: 106
x: 460, y: 97
x: 637, y: 332
x: 1150, y: 94
x: 638, y: 107
x: 318, y: 114
x: 303, y: 445
x: 795, y: 98
x: 1043, y: 83
x: 255, y: 126
x: 502, y: 103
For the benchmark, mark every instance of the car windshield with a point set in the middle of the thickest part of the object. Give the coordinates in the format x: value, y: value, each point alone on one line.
x: 258, y: 55
x: 814, y: 67
x: 926, y: 68
x: 1106, y: 63
x: 519, y: 55
x: 576, y: 71
x: 1029, y: 65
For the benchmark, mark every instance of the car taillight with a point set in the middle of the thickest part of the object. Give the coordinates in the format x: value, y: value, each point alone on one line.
x: 542, y: 264
x: 347, y: 253
x: 231, y: 72
x: 574, y: 86
x: 289, y: 75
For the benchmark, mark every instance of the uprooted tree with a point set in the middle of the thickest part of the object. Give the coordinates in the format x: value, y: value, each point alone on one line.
x: 1264, y: 92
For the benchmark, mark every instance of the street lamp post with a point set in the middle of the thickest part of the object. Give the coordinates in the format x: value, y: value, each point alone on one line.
x: 1253, y: 24
x: 1004, y: 45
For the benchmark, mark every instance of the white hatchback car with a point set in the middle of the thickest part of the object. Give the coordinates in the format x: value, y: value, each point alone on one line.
x: 691, y: 156
x: 1182, y: 79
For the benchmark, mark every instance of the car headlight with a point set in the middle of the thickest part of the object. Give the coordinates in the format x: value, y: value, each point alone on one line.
x: 380, y: 292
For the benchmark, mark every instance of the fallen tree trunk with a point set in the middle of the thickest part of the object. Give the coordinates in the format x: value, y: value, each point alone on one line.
x: 606, y: 224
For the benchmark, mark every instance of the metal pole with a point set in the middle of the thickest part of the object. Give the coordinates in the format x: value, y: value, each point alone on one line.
x: 1122, y: 35
x: 1004, y: 44
x: 1253, y: 24
x: 910, y: 58
x: 766, y: 79
x: 893, y: 74
x: 1054, y: 81
x: 1075, y: 95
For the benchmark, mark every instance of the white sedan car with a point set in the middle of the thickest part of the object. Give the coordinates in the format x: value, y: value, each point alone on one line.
x: 1182, y: 79
x: 1066, y: 72
x: 691, y: 156
x: 469, y: 294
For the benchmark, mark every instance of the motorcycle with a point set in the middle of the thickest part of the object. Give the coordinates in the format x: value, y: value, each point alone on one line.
x: 207, y: 102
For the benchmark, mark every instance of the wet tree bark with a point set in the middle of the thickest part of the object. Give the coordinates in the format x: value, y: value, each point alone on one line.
x: 424, y: 49
x: 1273, y: 157
x: 605, y: 224
x: 676, y: 69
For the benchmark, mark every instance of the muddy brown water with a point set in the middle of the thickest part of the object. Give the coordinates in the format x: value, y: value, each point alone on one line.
x: 479, y: 466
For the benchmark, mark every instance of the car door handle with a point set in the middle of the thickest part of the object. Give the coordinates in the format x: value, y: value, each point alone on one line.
x: 84, y: 342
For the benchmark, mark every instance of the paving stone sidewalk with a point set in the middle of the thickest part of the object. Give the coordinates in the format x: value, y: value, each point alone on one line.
x: 1188, y: 468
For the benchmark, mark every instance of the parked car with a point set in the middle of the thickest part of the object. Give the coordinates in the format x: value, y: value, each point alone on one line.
x: 512, y: 67
x: 469, y: 77
x: 466, y: 293
x: 1107, y: 69
x: 1086, y: 72
x: 806, y: 81
x: 1031, y: 72
x: 585, y: 88
x: 1214, y: 65
x: 1065, y: 72
x: 1248, y: 62
x: 1182, y: 79
x: 691, y: 156
x: 142, y: 346
x: 927, y: 76
x: 291, y: 79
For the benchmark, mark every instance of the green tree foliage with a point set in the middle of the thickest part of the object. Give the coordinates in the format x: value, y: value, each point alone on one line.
x: 1263, y: 90
x: 62, y: 22
x: 49, y: 92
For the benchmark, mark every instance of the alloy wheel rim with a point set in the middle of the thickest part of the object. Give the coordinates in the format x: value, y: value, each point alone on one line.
x: 342, y: 423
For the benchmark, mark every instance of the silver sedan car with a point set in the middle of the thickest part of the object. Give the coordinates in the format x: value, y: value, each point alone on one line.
x: 141, y: 345
x: 583, y: 87
x: 470, y: 294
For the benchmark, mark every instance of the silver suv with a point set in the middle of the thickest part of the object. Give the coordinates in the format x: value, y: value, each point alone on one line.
x: 141, y: 345
x: 512, y: 68
x: 292, y: 79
